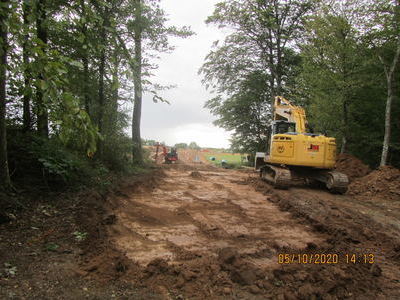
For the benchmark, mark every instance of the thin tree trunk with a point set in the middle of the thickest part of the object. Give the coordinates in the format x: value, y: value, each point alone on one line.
x: 278, y: 67
x: 388, y: 113
x: 101, y: 90
x: 344, y: 145
x: 26, y: 117
x: 42, y: 113
x: 85, y: 60
x: 115, y: 92
x: 4, y: 173
x: 343, y: 148
x: 137, y: 109
x: 390, y: 75
x: 102, y: 69
x: 101, y: 102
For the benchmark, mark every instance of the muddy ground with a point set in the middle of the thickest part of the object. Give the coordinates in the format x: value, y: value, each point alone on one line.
x: 193, y: 231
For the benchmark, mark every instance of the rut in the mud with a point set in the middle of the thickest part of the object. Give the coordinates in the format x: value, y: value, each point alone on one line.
x: 207, y: 232
x: 204, y: 212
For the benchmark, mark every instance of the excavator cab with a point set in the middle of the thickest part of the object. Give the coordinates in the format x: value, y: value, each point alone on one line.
x: 279, y: 127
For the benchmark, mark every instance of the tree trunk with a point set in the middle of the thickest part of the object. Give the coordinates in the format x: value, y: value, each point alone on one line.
x: 101, y: 90
x: 26, y: 117
x: 137, y: 109
x: 345, y: 130
x: 115, y: 91
x: 85, y: 60
x: 390, y: 75
x: 4, y: 173
x: 42, y: 113
x: 102, y: 69
x: 388, y: 113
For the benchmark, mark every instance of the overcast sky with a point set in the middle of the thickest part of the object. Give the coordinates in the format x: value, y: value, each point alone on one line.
x: 185, y: 119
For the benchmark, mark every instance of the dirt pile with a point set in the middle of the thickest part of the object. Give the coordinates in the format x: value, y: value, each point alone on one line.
x: 351, y: 166
x: 381, y: 183
x: 196, y: 175
x: 240, y: 271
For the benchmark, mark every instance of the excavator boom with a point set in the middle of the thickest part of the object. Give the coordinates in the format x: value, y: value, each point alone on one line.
x: 284, y: 110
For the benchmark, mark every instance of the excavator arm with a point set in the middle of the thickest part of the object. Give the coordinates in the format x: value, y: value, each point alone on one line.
x: 285, y: 111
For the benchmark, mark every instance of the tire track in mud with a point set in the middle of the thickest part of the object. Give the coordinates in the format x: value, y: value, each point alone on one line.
x: 201, y: 232
x: 217, y: 214
x: 351, y: 231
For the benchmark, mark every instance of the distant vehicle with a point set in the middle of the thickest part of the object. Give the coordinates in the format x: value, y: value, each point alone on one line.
x: 171, y: 156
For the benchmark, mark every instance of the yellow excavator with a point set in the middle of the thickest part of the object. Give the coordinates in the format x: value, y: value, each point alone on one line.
x: 295, y: 155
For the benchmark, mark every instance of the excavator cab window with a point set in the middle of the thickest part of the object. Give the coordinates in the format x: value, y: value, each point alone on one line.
x: 284, y: 127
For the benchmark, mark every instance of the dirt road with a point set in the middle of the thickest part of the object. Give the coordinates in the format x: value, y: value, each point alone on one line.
x: 199, y: 231
x: 201, y: 212
x: 194, y: 231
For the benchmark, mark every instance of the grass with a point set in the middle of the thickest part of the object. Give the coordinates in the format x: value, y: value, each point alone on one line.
x: 234, y: 160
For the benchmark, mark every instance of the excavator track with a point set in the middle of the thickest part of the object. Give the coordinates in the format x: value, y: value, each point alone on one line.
x: 278, y: 176
x: 281, y: 177
x: 336, y: 182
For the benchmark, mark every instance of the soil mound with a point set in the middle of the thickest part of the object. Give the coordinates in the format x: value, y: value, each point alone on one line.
x: 196, y: 175
x: 351, y: 166
x: 383, y: 183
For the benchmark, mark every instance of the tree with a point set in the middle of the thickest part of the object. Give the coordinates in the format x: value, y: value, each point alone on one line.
x: 150, y: 37
x: 137, y: 153
x: 4, y: 173
x: 331, y: 72
x: 380, y: 24
x: 246, y: 113
x: 390, y: 19
x: 27, y: 119
x: 261, y: 46
x: 41, y: 106
x: 181, y: 146
x: 72, y: 67
x: 193, y: 145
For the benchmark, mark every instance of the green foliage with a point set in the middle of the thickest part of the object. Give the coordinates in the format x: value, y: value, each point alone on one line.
x: 58, y: 164
x: 342, y: 86
x: 331, y: 74
x: 247, y: 113
x: 49, y: 164
x: 80, y: 236
x: 51, y: 246
x: 9, y: 270
x: 333, y: 62
x: 252, y: 65
x: 232, y: 160
x: 193, y: 145
x: 54, y: 75
x: 117, y: 153
x: 181, y: 146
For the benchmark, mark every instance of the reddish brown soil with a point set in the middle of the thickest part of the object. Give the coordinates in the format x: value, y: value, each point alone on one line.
x: 211, y: 233
x: 383, y: 183
x: 351, y: 166
x: 198, y: 232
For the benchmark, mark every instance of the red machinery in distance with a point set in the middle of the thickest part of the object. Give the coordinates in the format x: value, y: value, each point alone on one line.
x: 169, y: 157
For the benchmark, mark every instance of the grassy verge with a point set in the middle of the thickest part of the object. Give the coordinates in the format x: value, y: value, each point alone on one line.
x: 233, y: 160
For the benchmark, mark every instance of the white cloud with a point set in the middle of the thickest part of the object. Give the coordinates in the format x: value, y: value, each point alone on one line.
x: 205, y: 135
x: 185, y: 120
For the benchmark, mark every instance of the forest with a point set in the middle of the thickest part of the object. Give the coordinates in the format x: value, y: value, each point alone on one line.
x: 72, y: 79
x: 337, y: 59
x: 73, y: 75
x: 92, y: 206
